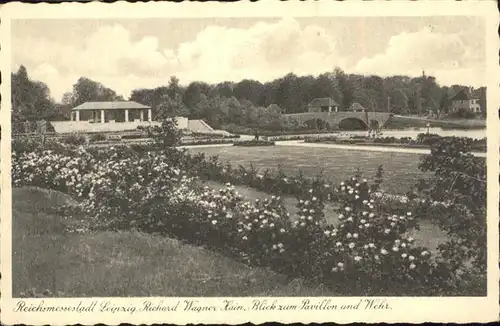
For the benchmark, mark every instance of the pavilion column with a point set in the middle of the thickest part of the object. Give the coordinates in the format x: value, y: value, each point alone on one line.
x: 102, y: 117
x: 77, y: 115
x: 149, y: 115
x: 126, y: 115
x: 142, y: 115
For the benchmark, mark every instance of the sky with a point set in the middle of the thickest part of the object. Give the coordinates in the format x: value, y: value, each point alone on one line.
x: 144, y: 53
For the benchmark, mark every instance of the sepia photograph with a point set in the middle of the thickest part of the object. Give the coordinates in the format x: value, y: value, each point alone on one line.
x: 307, y: 156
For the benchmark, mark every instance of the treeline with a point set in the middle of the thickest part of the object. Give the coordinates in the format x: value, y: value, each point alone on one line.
x: 248, y: 102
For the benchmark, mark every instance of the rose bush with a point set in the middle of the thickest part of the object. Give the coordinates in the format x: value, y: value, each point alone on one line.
x: 158, y: 192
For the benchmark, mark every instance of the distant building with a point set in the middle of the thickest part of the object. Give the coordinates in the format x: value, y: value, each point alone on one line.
x: 356, y: 107
x: 111, y: 112
x: 106, y: 117
x: 462, y: 100
x: 325, y: 104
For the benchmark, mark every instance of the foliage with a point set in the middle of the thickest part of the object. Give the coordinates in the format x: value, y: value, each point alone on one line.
x: 98, y: 137
x: 462, y: 113
x: 31, y: 101
x: 255, y: 142
x: 427, y: 140
x: 456, y: 200
x: 153, y: 192
x: 74, y: 139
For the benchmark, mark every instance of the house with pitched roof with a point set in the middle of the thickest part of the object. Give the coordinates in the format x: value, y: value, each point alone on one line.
x: 462, y: 100
x: 324, y: 104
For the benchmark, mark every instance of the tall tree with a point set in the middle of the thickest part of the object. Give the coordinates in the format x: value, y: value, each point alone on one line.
x: 345, y: 87
x: 87, y: 90
x: 31, y: 99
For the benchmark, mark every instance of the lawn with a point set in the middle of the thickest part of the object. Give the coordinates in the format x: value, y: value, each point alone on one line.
x: 124, y: 263
x: 400, y: 169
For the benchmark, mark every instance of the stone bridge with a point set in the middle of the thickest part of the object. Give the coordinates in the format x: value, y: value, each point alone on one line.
x: 326, y: 120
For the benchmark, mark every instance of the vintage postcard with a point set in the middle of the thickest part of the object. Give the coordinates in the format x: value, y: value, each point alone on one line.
x: 249, y: 162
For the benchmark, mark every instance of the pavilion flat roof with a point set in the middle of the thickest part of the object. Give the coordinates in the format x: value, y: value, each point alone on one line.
x: 118, y: 105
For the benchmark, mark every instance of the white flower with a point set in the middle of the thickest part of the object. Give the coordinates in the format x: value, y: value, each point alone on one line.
x: 387, y: 231
x: 340, y: 265
x: 355, y: 235
x: 409, y: 213
x: 309, y: 218
x: 341, y: 216
x: 371, y: 245
x: 395, y: 249
x: 338, y: 244
x: 283, y: 230
x: 327, y: 232
x: 371, y: 215
x: 245, y: 238
x: 412, y: 266
x: 411, y: 258
x: 356, y: 197
x: 404, y: 255
x: 214, y: 222
x: 357, y: 258
x: 335, y: 269
x: 352, y: 245
x: 365, y: 246
x: 362, y: 221
x: 425, y: 253
x: 347, y: 209
x: 383, y: 252
x: 349, y: 235
x: 314, y: 199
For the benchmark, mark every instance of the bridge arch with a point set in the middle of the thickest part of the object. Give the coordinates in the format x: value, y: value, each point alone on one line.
x: 352, y: 123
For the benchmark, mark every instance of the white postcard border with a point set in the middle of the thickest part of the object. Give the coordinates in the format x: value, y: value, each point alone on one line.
x: 406, y: 309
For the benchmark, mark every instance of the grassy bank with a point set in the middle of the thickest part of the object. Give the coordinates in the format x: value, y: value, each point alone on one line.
x: 46, y: 258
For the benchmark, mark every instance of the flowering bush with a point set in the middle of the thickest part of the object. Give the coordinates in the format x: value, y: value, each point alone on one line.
x: 455, y: 199
x: 158, y: 192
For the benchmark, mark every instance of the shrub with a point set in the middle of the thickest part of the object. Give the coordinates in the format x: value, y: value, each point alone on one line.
x: 255, y: 142
x: 455, y: 199
x: 98, y: 137
x: 74, y: 139
x: 367, y: 252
